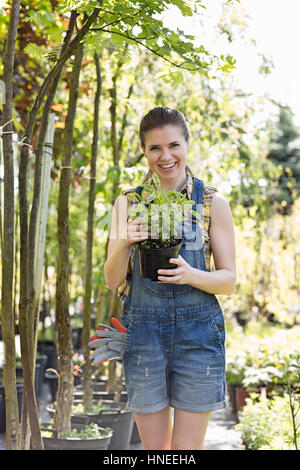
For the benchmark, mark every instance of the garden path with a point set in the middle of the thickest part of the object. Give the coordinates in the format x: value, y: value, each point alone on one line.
x: 221, y: 434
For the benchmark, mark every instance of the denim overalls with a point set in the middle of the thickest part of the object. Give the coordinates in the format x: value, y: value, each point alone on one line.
x: 175, y: 354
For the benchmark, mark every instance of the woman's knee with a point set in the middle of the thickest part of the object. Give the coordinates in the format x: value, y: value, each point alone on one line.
x: 155, y: 429
x: 189, y: 430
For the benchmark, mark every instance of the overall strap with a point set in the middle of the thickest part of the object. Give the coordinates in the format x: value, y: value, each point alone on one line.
x: 197, y: 196
x: 198, y: 189
x: 139, y: 189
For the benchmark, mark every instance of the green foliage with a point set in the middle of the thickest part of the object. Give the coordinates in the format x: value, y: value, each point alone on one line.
x: 137, y: 22
x: 284, y: 153
x: 94, y: 409
x: 90, y: 431
x: 35, y: 51
x: 164, y: 213
x: 257, y: 361
x: 267, y: 424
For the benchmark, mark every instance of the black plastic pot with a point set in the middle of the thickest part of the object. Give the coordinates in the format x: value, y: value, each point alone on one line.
x: 20, y: 387
x: 48, y: 348
x: 37, y: 377
x: 152, y: 259
x: 135, y: 437
x: 117, y: 417
x: 55, y: 443
x: 52, y: 380
x: 77, y: 337
x: 101, y: 395
x: 41, y: 360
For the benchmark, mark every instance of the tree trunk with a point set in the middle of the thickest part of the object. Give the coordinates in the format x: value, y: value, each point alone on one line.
x: 29, y: 316
x: 40, y: 158
x: 8, y: 330
x: 115, y: 305
x: 62, y: 419
x: 27, y: 253
x: 102, y: 295
x: 27, y: 324
x: 87, y: 379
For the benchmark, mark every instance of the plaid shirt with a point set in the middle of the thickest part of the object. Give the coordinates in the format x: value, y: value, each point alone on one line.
x: 187, y: 188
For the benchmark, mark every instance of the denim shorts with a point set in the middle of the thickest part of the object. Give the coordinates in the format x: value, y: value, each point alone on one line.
x: 175, y: 360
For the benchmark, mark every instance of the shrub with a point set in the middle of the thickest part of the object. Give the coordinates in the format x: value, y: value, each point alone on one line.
x: 267, y: 424
x: 255, y: 362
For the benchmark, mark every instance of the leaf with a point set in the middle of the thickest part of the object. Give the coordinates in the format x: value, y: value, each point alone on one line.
x: 134, y: 197
x: 36, y: 52
x: 104, y: 221
x: 113, y: 173
x: 183, y: 7
x: 156, y: 180
x: 101, y: 187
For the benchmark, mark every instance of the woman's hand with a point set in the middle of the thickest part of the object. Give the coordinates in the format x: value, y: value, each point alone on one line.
x: 183, y: 274
x: 136, y: 231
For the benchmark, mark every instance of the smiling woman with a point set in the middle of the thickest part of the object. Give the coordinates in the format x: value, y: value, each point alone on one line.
x: 175, y: 345
x: 166, y: 145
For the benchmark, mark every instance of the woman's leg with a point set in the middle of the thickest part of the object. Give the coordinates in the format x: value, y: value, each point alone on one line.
x: 189, y: 430
x: 155, y: 429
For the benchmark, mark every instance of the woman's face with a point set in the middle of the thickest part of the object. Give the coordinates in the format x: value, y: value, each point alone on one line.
x: 166, y: 151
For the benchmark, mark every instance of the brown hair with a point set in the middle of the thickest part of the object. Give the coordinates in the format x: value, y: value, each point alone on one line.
x: 158, y: 117
x: 161, y: 116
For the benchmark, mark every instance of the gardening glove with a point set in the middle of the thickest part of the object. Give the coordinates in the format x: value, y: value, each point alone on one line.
x: 111, y: 340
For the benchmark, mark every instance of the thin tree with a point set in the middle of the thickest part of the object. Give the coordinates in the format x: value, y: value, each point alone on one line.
x: 28, y: 314
x: 87, y: 381
x: 8, y: 331
x: 114, y: 304
x: 28, y: 306
x: 62, y: 418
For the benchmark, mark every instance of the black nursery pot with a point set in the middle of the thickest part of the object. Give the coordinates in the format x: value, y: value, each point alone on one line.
x: 152, y: 259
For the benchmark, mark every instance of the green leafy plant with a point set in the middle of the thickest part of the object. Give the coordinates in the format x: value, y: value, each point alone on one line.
x: 267, y: 424
x: 292, y: 388
x: 93, y: 409
x: 90, y: 431
x: 165, y: 214
x: 261, y: 362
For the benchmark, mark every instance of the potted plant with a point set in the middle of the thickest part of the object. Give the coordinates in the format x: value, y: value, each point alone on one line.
x: 105, y: 414
x: 82, y: 437
x: 166, y: 215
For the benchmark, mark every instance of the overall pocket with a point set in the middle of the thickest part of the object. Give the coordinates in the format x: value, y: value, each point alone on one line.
x: 218, y: 328
x: 165, y: 290
x: 211, y: 332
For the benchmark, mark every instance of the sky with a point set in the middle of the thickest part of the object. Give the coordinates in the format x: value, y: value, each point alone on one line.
x: 274, y: 24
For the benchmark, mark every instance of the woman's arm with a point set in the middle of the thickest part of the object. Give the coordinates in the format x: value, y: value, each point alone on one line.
x: 122, y: 235
x: 223, y: 279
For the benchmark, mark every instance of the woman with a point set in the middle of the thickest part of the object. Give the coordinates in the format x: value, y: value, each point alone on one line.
x: 174, y: 355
